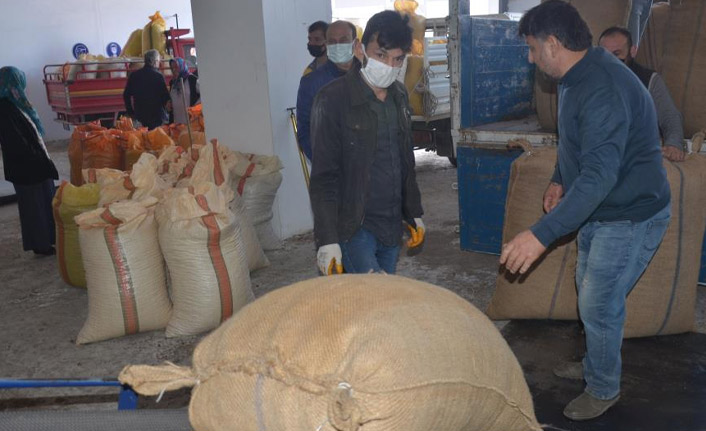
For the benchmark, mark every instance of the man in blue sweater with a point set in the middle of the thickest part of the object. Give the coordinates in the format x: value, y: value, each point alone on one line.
x: 609, y: 184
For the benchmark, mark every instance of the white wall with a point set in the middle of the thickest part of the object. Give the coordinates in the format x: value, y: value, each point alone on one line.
x: 36, y: 33
x: 251, y: 56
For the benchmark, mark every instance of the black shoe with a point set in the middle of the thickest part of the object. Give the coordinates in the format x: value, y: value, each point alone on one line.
x: 51, y: 251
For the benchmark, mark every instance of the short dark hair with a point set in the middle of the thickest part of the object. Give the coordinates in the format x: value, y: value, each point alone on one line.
x: 617, y: 30
x: 391, y: 30
x: 318, y: 25
x: 559, y: 19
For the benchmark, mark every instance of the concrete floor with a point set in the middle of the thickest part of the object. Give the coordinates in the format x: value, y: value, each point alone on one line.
x: 40, y: 316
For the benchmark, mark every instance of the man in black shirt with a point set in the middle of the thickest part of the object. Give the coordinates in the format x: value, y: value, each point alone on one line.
x: 146, y: 93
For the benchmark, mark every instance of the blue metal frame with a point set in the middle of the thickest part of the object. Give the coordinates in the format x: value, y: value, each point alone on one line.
x: 127, y: 399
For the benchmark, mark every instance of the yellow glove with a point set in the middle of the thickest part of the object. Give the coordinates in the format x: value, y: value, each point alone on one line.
x: 329, y: 259
x: 416, y: 234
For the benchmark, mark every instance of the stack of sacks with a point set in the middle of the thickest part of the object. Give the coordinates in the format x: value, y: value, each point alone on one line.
x: 203, y: 246
x: 351, y: 352
x: 141, y: 183
x: 69, y: 202
x: 257, y: 179
x: 127, y: 286
x: 83, y: 68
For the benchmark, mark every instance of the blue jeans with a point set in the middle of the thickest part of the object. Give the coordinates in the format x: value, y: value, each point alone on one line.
x: 363, y: 253
x: 611, y: 258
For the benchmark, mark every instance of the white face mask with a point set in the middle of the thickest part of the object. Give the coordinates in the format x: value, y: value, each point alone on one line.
x: 379, y: 74
x: 340, y: 53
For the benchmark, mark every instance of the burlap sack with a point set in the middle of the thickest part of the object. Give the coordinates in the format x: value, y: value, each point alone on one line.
x: 663, y: 300
x: 548, y: 290
x: 127, y: 290
x: 684, y: 61
x: 257, y: 179
x: 651, y: 47
x: 70, y: 201
x: 351, y: 352
x: 251, y: 244
x: 599, y: 15
x: 203, y: 247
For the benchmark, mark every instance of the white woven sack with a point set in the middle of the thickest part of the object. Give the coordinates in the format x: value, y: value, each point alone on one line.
x: 127, y: 290
x: 203, y: 247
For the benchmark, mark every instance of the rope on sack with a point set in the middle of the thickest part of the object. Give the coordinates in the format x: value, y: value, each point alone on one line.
x: 344, y: 413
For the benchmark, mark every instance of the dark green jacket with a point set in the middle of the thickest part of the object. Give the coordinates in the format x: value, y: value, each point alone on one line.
x: 344, y: 140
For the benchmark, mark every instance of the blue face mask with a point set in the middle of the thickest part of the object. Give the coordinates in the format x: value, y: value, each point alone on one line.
x: 340, y: 53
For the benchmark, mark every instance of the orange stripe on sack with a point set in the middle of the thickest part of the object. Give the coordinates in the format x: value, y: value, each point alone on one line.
x: 128, y: 303
x: 92, y: 176
x: 219, y: 263
x: 128, y: 184
x: 248, y: 172
x: 60, y: 239
x: 217, y: 171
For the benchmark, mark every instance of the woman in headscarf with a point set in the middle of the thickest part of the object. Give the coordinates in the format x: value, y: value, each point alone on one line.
x: 26, y: 162
x: 184, y: 87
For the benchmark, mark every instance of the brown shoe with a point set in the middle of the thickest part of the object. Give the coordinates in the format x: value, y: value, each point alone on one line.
x: 569, y: 370
x: 586, y: 407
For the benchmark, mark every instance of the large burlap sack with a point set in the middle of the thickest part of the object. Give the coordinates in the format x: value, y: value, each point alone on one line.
x: 203, y: 247
x: 100, y: 149
x: 548, y: 290
x: 663, y: 300
x: 651, y: 47
x: 70, y: 201
x: 599, y: 15
x: 197, y: 138
x: 127, y: 287
x: 257, y: 179
x: 75, y: 149
x: 684, y: 61
x: 351, y: 352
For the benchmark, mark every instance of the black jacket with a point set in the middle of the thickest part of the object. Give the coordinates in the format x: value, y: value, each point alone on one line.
x: 344, y: 140
x: 147, y: 88
x: 24, y: 159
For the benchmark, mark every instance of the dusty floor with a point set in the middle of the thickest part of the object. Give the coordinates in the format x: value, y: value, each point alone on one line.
x: 40, y: 316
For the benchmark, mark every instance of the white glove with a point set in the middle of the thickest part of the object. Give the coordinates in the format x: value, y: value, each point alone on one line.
x: 329, y: 259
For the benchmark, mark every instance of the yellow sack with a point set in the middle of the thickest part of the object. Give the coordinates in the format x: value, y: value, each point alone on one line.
x: 158, y: 140
x: 153, y: 34
x: 413, y: 77
x: 133, y: 46
x: 69, y: 202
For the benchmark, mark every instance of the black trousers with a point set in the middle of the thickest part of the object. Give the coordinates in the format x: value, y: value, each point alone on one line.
x: 36, y: 218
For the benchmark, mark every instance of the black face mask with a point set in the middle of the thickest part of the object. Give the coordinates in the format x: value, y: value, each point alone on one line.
x: 316, y: 50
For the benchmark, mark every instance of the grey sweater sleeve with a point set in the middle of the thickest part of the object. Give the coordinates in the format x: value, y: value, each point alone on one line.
x: 668, y: 117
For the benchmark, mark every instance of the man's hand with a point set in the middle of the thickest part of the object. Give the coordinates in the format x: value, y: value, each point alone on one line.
x: 673, y: 153
x: 416, y: 237
x: 552, y: 196
x: 329, y: 259
x: 520, y: 253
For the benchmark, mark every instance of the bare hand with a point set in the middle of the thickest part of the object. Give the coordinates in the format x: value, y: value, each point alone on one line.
x: 520, y: 253
x: 552, y: 196
x: 673, y: 153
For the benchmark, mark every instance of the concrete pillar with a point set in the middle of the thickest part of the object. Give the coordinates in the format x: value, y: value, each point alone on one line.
x: 251, y: 56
